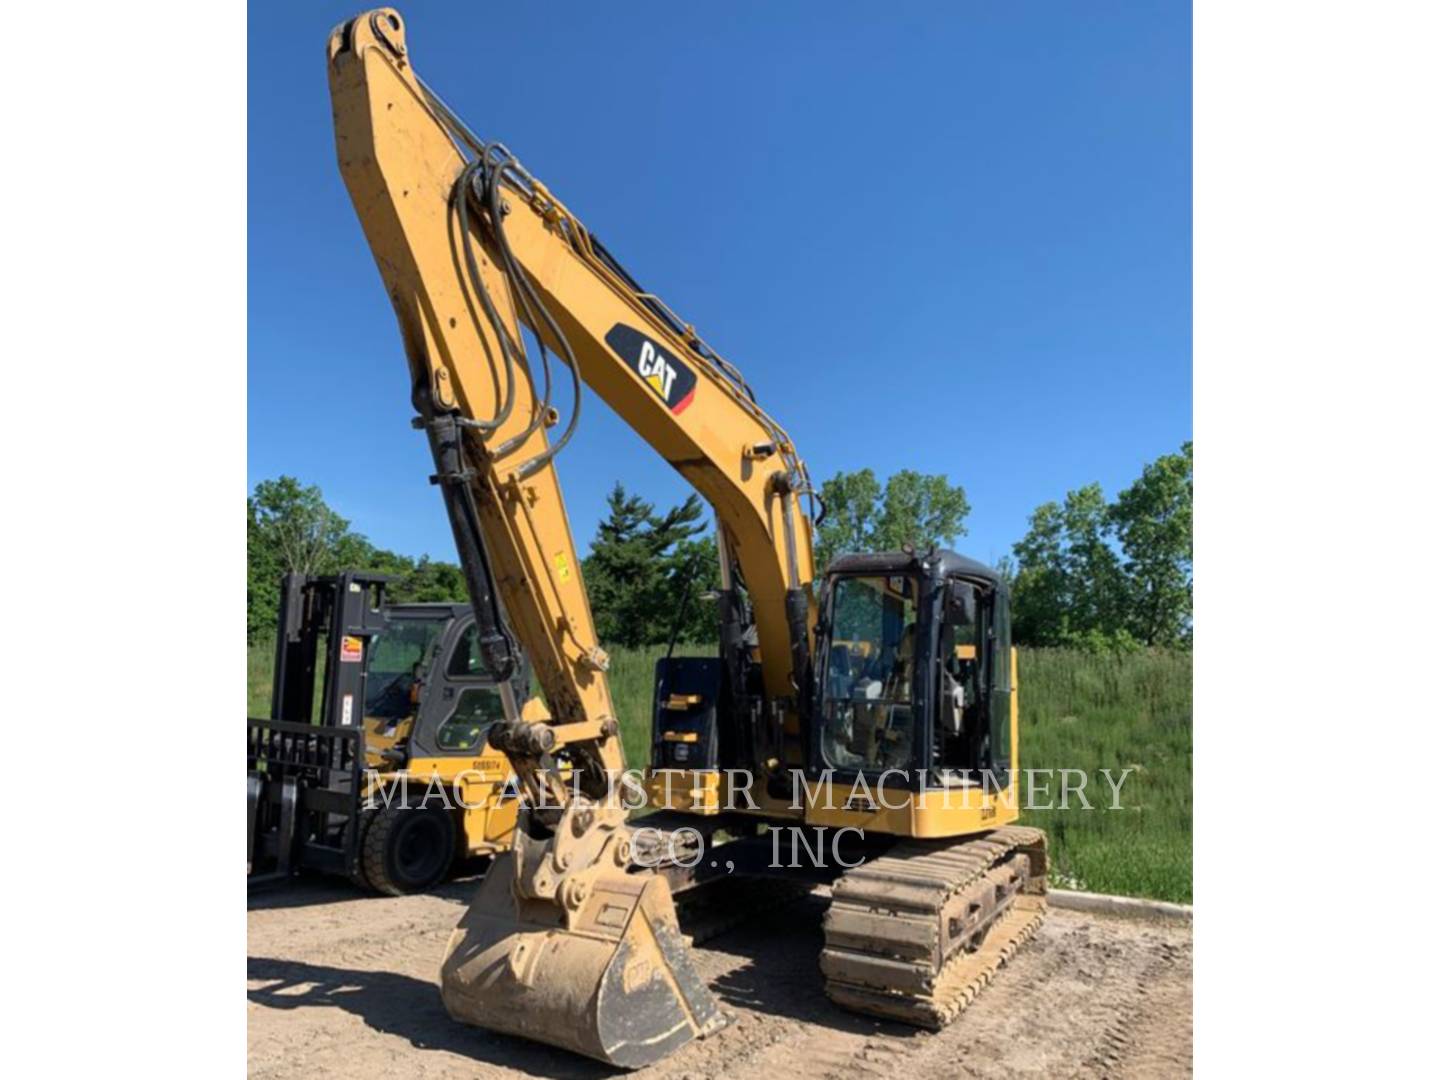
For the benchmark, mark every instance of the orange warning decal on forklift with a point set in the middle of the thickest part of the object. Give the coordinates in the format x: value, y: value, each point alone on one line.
x: 352, y: 649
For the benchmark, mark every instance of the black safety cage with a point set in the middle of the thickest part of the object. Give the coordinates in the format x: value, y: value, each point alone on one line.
x: 932, y: 571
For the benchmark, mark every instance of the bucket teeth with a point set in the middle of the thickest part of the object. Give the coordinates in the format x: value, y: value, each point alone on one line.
x: 615, y: 984
x: 916, y: 934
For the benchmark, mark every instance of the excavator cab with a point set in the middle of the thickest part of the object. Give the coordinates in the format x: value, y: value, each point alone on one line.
x: 912, y: 670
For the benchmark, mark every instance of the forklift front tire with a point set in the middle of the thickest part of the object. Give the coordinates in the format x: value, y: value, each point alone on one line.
x: 407, y: 849
x: 357, y: 875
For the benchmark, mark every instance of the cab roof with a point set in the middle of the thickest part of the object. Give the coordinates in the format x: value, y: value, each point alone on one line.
x: 948, y: 564
x: 430, y: 610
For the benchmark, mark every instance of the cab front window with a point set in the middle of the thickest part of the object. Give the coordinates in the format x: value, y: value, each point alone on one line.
x: 395, y: 660
x: 867, y: 706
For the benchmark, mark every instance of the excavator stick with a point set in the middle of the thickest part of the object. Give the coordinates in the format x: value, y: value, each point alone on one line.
x: 606, y: 973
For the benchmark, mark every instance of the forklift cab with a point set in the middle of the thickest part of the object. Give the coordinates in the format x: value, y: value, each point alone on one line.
x: 427, y: 690
x: 363, y: 691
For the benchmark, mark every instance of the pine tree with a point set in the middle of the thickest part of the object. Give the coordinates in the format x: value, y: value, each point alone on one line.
x: 639, y: 569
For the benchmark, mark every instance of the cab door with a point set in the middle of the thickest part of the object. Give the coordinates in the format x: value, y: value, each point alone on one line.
x: 460, y: 704
x: 461, y: 701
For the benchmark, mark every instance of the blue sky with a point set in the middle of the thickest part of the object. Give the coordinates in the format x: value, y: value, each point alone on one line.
x: 948, y: 237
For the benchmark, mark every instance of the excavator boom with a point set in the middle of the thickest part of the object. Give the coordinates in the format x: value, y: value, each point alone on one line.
x: 461, y: 279
x: 471, y: 247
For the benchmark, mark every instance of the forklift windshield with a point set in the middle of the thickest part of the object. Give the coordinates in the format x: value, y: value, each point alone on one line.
x: 395, y: 658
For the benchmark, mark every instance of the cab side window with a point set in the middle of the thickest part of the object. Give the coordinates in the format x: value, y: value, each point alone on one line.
x: 1000, y: 686
x: 1001, y: 679
x: 465, y: 728
x: 476, y: 707
x: 465, y: 662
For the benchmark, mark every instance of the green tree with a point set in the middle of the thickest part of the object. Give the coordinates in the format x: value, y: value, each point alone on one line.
x: 296, y: 525
x: 1097, y: 598
x: 852, y: 507
x: 616, y: 567
x: 1153, y: 518
x: 290, y: 527
x: 1113, y: 575
x: 1039, y: 585
x: 695, y: 573
x: 427, y: 580
x: 639, y: 568
x: 262, y: 576
x: 1069, y: 586
x: 912, y: 508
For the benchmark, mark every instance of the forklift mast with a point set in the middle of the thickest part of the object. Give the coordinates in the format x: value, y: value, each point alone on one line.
x: 305, y: 773
x: 346, y: 609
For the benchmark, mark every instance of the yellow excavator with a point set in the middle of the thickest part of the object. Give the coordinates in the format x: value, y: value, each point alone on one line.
x: 869, y: 716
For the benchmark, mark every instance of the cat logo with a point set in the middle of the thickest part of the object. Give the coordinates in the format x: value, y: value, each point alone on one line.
x: 670, y: 379
x: 659, y: 374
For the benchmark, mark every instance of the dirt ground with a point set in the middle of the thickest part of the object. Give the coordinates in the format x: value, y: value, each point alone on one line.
x: 343, y: 984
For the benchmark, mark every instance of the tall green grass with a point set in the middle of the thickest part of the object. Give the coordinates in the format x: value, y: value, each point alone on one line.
x: 1078, y: 710
x: 259, y: 674
x: 1084, y: 711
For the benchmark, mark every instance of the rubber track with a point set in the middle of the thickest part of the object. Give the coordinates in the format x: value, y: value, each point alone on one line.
x: 885, y: 933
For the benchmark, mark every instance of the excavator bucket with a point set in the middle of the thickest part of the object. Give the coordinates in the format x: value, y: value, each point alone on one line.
x: 612, y: 979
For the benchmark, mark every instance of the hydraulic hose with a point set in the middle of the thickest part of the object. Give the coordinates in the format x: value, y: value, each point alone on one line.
x: 533, y: 306
x: 478, y: 285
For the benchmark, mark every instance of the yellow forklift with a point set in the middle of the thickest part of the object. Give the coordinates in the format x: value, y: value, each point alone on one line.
x: 373, y: 763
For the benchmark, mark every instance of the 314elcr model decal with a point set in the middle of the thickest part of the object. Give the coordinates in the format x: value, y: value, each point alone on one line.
x: 671, y: 380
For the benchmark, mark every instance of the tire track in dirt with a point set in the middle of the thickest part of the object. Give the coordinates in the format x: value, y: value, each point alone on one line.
x: 1158, y: 1039
x: 342, y: 983
x: 1068, y: 1006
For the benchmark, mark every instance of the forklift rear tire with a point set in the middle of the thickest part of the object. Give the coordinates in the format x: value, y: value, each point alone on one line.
x: 408, y: 850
